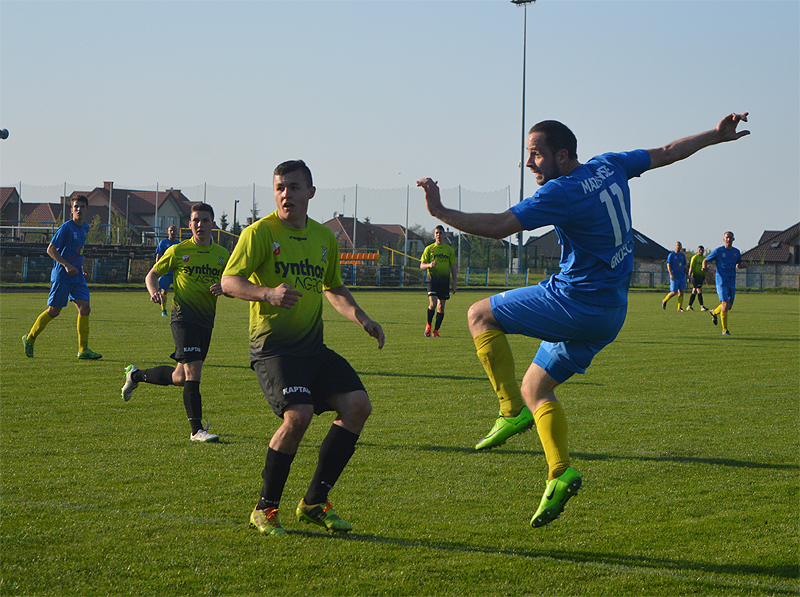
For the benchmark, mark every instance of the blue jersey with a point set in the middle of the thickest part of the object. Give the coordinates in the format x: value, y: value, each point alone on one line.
x: 69, y: 240
x: 164, y: 245
x: 727, y: 260
x: 590, y: 209
x: 677, y: 262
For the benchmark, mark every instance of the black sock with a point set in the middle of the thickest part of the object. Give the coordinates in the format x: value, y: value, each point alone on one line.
x: 160, y: 376
x: 700, y: 299
x: 691, y: 299
x: 439, y: 317
x: 275, y: 473
x: 430, y: 316
x: 334, y: 454
x: 193, y: 404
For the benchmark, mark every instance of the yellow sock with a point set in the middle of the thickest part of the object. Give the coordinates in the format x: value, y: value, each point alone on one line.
x: 680, y: 302
x: 551, y: 424
x: 724, y: 317
x: 666, y: 299
x: 39, y: 325
x: 498, y: 362
x: 83, y: 332
x: 718, y: 310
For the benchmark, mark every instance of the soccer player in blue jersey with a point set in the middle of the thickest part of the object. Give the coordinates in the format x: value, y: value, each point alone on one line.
x: 577, y: 311
x: 165, y: 281
x: 728, y: 259
x: 67, y: 280
x: 676, y: 266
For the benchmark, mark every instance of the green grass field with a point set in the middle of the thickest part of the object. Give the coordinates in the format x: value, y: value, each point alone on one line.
x: 687, y: 442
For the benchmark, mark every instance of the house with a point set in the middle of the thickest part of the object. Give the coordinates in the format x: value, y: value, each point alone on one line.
x: 776, y: 247
x: 9, y: 209
x: 373, y: 236
x: 137, y: 209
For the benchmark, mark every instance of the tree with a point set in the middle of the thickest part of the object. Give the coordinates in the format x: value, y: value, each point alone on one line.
x: 97, y: 233
x: 223, y: 221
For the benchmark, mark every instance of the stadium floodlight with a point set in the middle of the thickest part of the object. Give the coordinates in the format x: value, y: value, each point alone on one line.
x: 524, y: 4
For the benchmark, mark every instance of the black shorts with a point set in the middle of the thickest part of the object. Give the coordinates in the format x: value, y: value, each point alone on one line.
x: 191, y: 342
x: 289, y: 380
x: 439, y: 288
x: 697, y: 280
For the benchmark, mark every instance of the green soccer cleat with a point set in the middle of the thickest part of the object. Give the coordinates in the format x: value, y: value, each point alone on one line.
x: 28, y: 346
x: 505, y: 427
x: 322, y: 515
x: 89, y: 354
x: 556, y: 493
x: 266, y: 521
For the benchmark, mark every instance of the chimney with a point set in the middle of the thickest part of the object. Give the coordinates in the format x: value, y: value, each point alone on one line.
x: 108, y: 185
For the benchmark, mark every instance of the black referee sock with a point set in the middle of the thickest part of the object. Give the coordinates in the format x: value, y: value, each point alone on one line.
x: 334, y: 454
x: 691, y: 298
x: 275, y: 473
x: 193, y: 404
x: 700, y: 299
x: 439, y: 317
x: 430, y: 316
x: 160, y: 376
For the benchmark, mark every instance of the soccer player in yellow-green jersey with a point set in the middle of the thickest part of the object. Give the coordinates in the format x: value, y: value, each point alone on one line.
x: 440, y: 261
x: 197, y: 264
x: 697, y: 277
x: 283, y: 264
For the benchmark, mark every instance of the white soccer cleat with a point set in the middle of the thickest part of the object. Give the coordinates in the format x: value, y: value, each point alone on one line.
x: 202, y: 435
x: 130, y: 385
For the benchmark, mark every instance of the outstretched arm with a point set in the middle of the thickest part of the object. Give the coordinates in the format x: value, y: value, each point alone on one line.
x: 683, y: 148
x: 487, y: 225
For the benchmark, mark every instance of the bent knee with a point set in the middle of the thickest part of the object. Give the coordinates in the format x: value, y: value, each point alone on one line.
x: 480, y: 317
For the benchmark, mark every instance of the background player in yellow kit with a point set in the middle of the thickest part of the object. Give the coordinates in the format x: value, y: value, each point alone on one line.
x: 198, y: 264
x: 697, y: 277
x: 439, y: 259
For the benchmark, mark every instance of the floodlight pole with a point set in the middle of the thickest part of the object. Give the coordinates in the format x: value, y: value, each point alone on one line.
x: 524, y: 5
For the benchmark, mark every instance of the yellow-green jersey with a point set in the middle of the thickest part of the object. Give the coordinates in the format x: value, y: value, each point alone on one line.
x: 270, y: 254
x: 696, y: 266
x: 196, y: 269
x: 444, y: 256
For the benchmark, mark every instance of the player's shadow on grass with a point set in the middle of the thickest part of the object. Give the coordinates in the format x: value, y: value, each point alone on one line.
x: 585, y: 456
x: 778, y: 571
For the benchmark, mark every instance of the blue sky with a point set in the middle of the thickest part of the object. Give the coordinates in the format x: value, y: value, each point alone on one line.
x: 380, y: 93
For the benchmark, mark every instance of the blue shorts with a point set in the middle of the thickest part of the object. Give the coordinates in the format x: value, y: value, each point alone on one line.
x: 165, y: 281
x: 677, y: 284
x: 726, y: 293
x: 572, y: 332
x: 63, y: 292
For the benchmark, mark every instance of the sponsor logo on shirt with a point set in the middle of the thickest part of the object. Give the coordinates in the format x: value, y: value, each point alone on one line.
x: 276, y: 248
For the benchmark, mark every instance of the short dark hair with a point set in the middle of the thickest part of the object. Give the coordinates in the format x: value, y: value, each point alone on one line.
x: 439, y: 227
x: 701, y: 247
x: 203, y: 207
x: 294, y: 166
x: 81, y: 198
x: 557, y: 137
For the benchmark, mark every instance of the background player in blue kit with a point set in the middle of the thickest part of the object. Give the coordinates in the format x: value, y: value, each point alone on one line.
x: 67, y: 280
x: 582, y: 308
x: 728, y: 259
x: 165, y: 281
x: 676, y: 266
